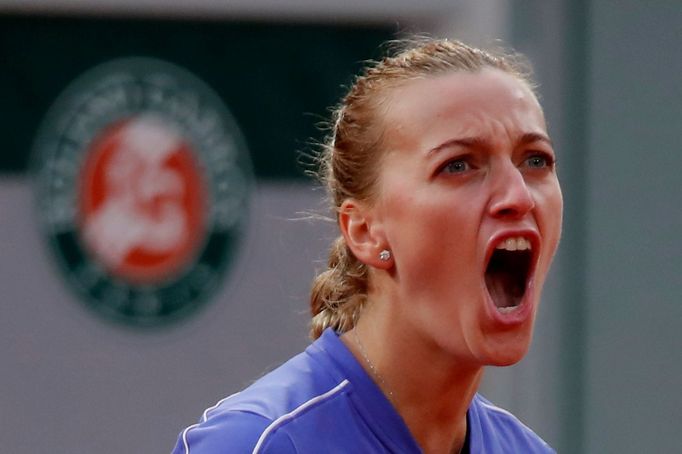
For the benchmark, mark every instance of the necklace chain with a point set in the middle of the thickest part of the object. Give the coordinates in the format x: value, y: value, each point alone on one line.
x: 374, y: 370
x: 377, y: 375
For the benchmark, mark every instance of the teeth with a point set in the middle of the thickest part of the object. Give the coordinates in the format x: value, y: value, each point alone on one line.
x: 514, y: 244
x: 506, y: 310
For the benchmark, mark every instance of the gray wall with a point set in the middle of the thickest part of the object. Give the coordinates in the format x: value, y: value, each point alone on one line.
x: 633, y: 373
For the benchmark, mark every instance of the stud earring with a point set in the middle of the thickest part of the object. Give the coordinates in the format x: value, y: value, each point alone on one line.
x: 385, y: 255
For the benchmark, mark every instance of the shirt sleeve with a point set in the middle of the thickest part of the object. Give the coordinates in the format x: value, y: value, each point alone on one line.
x: 235, y: 432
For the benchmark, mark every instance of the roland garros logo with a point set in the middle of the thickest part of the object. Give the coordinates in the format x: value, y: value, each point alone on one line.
x: 143, y: 183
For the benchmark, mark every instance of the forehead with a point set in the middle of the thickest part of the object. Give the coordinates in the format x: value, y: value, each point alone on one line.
x: 489, y: 103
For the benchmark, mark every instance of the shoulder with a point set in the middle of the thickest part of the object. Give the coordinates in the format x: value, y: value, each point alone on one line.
x: 264, y: 417
x: 252, y: 424
x: 229, y: 431
x: 501, y: 431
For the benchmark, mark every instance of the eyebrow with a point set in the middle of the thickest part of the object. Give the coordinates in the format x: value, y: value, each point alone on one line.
x: 531, y: 137
x: 479, y: 142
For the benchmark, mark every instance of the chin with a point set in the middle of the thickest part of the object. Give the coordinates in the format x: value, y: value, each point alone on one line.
x: 507, y: 358
x: 508, y: 349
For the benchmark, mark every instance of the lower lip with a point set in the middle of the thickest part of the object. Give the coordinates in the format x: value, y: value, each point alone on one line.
x: 516, y: 316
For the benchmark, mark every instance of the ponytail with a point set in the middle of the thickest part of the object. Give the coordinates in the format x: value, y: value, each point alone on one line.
x: 338, y: 294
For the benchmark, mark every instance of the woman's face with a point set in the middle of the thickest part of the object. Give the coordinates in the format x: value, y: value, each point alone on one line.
x: 470, y: 206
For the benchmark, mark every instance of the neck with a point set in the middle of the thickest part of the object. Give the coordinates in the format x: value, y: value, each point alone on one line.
x: 428, y: 388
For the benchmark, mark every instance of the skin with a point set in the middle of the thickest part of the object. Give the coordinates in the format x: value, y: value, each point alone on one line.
x: 467, y: 158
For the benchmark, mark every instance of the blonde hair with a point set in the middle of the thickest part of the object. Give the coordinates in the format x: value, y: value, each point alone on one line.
x: 348, y: 159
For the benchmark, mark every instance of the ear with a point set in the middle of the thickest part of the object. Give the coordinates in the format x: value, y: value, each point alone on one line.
x: 363, y: 234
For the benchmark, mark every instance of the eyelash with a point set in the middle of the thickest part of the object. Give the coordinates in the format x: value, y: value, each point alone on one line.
x: 549, y: 162
x: 448, y: 165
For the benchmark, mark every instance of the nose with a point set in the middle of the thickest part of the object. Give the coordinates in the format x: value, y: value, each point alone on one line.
x: 511, y: 198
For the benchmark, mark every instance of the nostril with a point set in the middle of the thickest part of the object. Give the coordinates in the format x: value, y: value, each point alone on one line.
x: 512, y: 209
x: 507, y: 213
x: 511, y: 196
x: 512, y: 204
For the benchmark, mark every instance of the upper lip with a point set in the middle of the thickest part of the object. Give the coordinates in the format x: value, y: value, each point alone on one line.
x: 530, y: 234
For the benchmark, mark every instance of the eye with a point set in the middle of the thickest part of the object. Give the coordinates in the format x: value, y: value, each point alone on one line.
x: 456, y: 166
x: 539, y: 161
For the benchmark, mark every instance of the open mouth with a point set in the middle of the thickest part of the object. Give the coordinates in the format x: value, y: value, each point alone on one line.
x: 508, y: 272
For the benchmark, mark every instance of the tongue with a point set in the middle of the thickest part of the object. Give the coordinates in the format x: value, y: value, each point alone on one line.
x: 504, y: 288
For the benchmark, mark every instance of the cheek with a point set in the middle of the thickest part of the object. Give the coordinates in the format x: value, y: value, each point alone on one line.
x: 419, y: 218
x: 432, y: 234
x: 549, y: 202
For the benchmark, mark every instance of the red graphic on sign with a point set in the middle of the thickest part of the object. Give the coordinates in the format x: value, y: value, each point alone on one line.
x: 142, y: 201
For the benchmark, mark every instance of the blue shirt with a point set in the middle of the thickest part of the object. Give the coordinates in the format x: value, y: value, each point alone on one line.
x: 322, y: 400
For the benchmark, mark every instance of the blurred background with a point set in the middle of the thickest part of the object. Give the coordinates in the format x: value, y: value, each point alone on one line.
x: 88, y: 368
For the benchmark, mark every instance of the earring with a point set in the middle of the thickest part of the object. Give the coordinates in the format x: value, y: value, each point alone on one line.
x: 385, y: 255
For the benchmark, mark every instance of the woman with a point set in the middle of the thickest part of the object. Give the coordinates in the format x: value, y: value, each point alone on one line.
x: 441, y: 172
